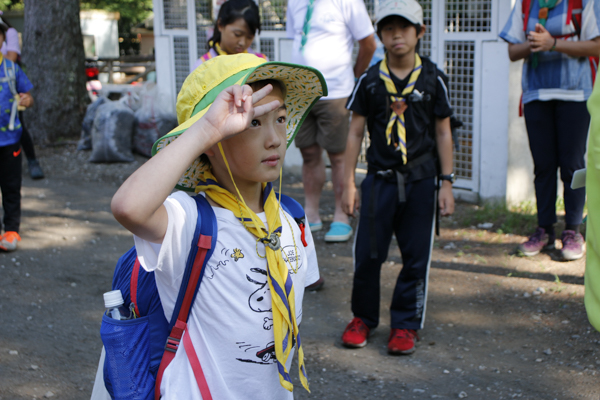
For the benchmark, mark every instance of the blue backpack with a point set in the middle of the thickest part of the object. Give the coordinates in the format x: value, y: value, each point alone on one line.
x: 139, y: 350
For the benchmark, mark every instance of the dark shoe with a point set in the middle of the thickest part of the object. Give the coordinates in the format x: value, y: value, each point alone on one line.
x: 35, y: 171
x: 537, y: 242
x: 402, y: 341
x: 356, y: 334
x: 573, y: 245
x: 318, y: 285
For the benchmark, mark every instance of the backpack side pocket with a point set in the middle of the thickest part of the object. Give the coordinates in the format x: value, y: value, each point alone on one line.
x: 127, y: 365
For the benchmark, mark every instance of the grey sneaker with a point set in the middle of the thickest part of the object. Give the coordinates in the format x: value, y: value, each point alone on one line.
x: 573, y: 245
x: 537, y: 242
x: 35, y: 171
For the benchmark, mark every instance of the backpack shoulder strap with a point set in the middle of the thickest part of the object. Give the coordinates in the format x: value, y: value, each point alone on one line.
x: 205, y: 238
x: 10, y: 75
x: 292, y: 207
x: 525, y: 10
x: 203, y: 244
x: 578, y: 6
x: 430, y: 75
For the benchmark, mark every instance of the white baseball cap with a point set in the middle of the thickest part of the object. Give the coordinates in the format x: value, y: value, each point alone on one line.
x: 409, y: 9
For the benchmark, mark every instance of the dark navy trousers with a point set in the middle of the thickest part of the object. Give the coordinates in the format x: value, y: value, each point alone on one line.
x: 10, y: 186
x: 557, y: 133
x: 381, y: 216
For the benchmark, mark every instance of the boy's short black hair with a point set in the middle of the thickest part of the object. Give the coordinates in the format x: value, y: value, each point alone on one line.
x: 261, y: 84
x: 389, y: 19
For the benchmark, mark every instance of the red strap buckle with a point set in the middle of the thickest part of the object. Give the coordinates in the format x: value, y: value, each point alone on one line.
x: 303, y: 235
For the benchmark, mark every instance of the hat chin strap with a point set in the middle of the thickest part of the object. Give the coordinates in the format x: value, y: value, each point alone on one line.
x: 242, y: 201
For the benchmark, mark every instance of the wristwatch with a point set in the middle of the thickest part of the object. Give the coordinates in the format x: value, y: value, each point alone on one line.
x: 450, y: 177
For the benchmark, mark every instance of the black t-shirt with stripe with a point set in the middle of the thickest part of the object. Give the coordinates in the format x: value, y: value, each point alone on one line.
x: 430, y: 100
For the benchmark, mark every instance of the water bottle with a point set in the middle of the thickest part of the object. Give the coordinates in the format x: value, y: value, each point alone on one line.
x: 113, y: 301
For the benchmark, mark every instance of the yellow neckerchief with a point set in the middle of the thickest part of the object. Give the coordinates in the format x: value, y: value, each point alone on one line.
x: 285, y: 327
x: 397, y: 114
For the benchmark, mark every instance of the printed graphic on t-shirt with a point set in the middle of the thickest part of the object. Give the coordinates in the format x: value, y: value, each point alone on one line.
x: 259, y: 301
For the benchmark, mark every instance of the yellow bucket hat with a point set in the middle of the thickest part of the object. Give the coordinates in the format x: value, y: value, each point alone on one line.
x: 304, y: 86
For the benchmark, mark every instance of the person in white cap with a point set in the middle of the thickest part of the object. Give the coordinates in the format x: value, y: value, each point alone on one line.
x: 324, y: 33
x: 404, y: 101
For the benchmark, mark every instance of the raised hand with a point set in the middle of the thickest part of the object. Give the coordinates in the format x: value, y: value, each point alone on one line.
x: 233, y: 109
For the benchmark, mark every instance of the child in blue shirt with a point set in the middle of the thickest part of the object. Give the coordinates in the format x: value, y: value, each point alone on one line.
x: 15, y: 90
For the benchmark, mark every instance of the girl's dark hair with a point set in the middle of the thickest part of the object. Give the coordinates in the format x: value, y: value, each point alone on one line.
x: 231, y: 11
x: 6, y: 22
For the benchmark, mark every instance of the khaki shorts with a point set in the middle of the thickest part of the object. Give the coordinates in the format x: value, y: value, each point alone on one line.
x: 326, y: 125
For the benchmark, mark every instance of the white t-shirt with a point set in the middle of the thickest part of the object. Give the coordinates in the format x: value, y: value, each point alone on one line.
x: 231, y: 319
x: 334, y: 27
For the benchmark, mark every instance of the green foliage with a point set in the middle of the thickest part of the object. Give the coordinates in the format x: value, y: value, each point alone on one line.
x: 11, y: 5
x: 519, y: 219
x: 132, y: 11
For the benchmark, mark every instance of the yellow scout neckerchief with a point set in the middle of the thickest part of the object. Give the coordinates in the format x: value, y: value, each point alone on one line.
x: 285, y: 327
x: 398, y: 104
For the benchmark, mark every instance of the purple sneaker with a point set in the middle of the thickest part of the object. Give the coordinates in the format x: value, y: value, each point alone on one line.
x: 537, y: 242
x: 572, y: 245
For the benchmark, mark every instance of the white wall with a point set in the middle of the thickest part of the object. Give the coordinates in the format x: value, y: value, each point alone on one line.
x: 519, y: 185
x: 494, y: 121
x: 104, y: 27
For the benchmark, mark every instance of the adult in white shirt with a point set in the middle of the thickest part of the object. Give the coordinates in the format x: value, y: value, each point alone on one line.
x: 325, y: 41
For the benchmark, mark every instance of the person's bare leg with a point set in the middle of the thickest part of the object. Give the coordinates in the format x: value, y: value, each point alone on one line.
x: 337, y: 178
x: 313, y: 177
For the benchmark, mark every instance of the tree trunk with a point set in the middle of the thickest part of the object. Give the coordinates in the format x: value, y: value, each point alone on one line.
x: 55, y: 63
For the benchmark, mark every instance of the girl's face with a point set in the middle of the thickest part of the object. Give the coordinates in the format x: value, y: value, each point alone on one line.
x: 236, y: 37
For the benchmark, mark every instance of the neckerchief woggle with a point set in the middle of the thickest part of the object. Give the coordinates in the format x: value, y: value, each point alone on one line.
x: 398, y: 105
x: 285, y: 327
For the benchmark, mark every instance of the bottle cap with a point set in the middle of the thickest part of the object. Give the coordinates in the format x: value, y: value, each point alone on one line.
x: 114, y: 298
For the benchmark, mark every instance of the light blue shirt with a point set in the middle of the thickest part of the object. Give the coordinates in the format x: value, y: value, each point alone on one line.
x: 557, y: 75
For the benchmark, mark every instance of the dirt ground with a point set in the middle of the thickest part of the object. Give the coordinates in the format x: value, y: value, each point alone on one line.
x: 497, y: 326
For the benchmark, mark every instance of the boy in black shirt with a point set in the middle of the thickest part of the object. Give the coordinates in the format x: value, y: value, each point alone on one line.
x: 404, y: 101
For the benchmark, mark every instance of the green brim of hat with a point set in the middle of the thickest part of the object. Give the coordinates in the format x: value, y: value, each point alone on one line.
x: 304, y: 86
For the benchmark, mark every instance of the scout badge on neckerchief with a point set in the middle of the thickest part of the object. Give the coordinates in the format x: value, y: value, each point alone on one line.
x: 545, y: 7
x: 303, y: 88
x: 398, y: 105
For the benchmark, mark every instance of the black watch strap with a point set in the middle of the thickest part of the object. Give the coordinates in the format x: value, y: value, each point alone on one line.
x: 450, y: 177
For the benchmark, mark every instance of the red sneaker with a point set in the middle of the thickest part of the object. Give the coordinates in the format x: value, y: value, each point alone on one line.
x: 8, y: 241
x: 402, y: 341
x: 356, y: 334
